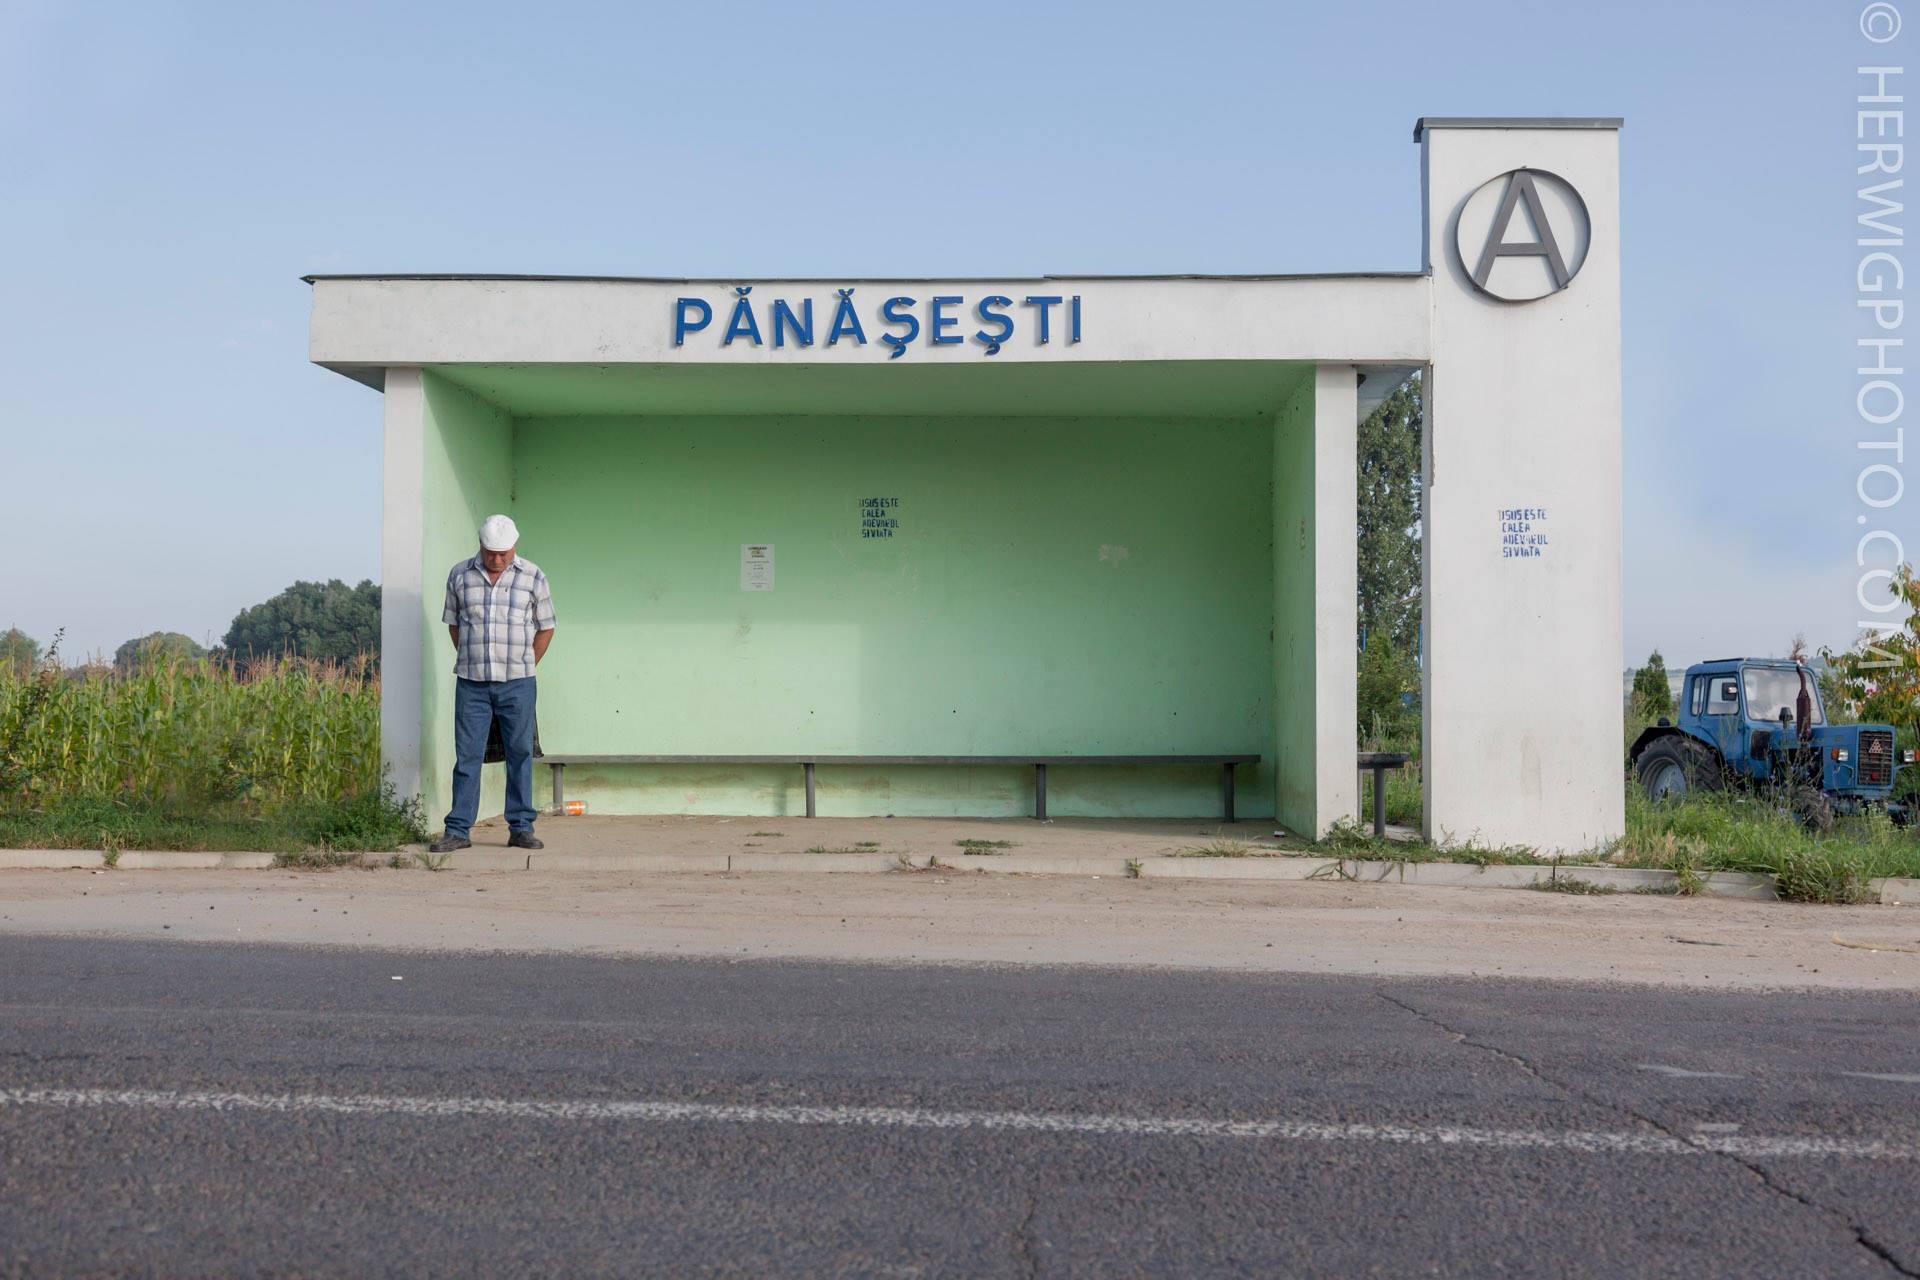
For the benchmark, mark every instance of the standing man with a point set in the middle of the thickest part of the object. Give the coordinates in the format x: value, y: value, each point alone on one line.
x: 500, y: 615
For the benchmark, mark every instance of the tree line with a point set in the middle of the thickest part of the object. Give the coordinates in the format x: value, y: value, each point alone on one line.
x: 330, y: 621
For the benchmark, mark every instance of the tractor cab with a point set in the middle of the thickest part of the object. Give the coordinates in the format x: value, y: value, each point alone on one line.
x: 1744, y: 707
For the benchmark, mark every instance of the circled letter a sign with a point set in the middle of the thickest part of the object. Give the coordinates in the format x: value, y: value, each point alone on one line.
x: 1541, y: 255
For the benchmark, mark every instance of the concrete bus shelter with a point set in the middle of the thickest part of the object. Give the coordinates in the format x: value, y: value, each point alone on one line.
x: 1075, y: 516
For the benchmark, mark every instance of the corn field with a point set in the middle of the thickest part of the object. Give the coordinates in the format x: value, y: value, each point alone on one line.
x: 267, y: 733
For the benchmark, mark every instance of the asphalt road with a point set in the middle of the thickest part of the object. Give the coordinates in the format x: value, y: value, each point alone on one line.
x: 176, y: 1109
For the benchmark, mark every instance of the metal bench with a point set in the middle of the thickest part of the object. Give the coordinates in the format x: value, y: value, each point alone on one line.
x: 1380, y: 762
x: 559, y: 764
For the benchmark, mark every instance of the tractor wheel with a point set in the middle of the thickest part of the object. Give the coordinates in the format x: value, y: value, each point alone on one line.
x: 1675, y: 766
x: 1813, y: 807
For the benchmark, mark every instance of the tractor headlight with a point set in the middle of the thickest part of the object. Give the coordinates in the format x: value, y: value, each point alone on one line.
x: 1840, y: 754
x: 1907, y: 756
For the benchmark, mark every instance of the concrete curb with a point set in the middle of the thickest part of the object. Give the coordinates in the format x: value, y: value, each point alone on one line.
x: 50, y: 859
x: 478, y: 860
x: 1717, y: 884
x: 655, y: 862
x: 816, y: 862
x: 131, y: 860
x: 1898, y: 890
x: 1176, y: 868
x: 137, y: 860
x: 1039, y: 864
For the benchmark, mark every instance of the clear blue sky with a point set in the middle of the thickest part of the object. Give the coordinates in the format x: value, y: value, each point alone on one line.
x: 172, y: 169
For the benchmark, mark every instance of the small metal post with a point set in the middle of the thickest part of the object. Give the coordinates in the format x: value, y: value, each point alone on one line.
x: 559, y: 788
x: 1229, y: 790
x: 1379, y: 800
x: 1040, y: 792
x: 809, y: 768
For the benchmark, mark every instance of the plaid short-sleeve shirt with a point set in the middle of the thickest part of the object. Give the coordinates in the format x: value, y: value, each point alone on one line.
x: 497, y: 620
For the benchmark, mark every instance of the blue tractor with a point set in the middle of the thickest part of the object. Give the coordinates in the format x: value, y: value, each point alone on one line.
x: 1758, y: 722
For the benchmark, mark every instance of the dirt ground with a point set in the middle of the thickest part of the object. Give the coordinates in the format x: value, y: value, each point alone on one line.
x: 960, y: 918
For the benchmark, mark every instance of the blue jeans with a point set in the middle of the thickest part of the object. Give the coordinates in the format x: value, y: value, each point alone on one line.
x: 476, y: 705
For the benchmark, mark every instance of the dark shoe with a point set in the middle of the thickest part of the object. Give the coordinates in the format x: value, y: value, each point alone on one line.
x: 524, y: 840
x: 449, y: 844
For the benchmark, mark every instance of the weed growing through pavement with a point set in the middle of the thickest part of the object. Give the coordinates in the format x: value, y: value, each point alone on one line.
x: 1688, y: 882
x: 984, y: 846
x: 1350, y: 839
x: 1225, y: 849
x: 432, y: 861
x: 1335, y: 870
x: 1822, y: 875
x: 1133, y: 868
x: 320, y: 860
x: 1571, y: 884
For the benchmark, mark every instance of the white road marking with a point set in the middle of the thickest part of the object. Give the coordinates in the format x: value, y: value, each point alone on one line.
x: 586, y: 1110
x: 1895, y: 1076
x: 1684, y: 1074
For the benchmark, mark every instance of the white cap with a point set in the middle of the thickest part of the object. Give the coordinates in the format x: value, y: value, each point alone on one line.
x: 499, y: 533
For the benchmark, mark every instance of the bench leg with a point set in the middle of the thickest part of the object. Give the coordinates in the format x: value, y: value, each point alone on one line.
x: 1379, y: 802
x: 1228, y: 785
x: 559, y: 788
x: 809, y: 768
x: 1040, y: 793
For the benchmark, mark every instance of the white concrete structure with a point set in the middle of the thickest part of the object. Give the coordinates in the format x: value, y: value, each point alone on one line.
x: 1515, y: 317
x: 1522, y: 724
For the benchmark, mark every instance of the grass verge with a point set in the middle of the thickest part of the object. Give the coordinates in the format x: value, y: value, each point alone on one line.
x: 1735, y: 832
x: 1693, y: 838
x: 361, y: 823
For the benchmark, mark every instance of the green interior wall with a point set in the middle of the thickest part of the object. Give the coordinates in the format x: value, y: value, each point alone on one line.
x: 1295, y: 603
x: 1096, y: 583
x: 467, y: 475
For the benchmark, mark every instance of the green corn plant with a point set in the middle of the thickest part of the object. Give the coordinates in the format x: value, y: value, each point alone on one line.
x: 270, y: 733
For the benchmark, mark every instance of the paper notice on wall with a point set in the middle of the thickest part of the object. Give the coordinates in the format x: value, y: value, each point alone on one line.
x: 756, y: 566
